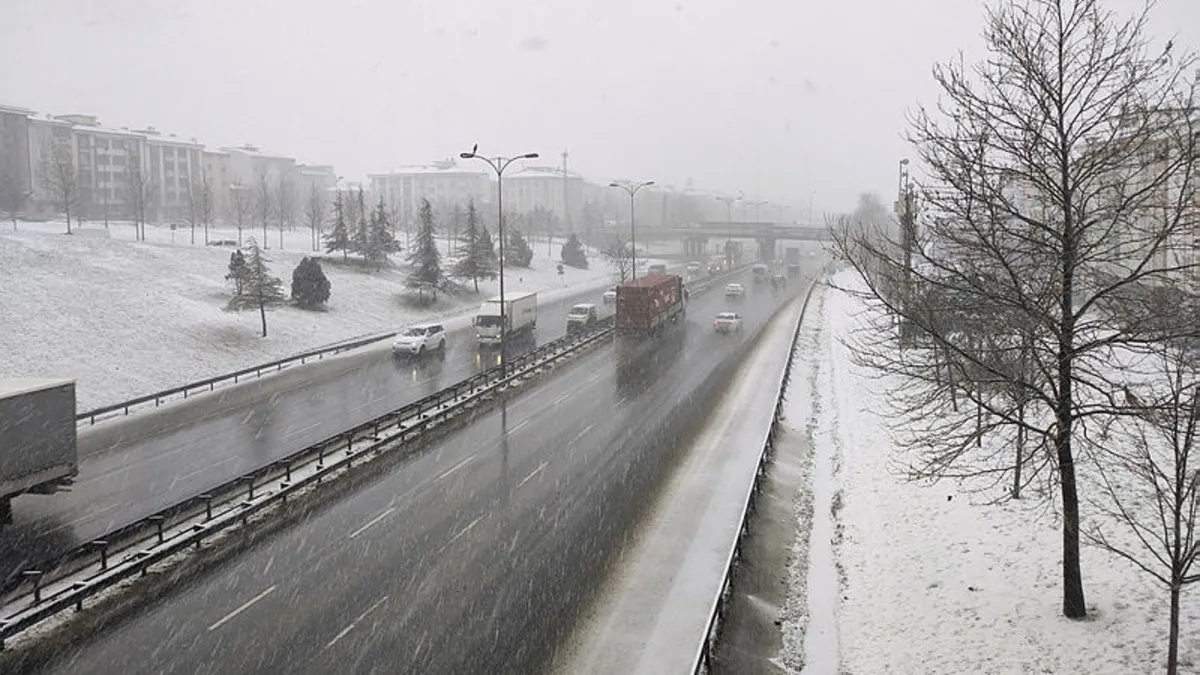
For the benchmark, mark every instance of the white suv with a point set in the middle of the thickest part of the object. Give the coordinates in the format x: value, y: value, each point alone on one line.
x: 420, y: 339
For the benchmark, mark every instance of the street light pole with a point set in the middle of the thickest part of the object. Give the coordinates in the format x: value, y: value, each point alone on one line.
x: 632, y: 190
x: 499, y: 164
x: 810, y: 203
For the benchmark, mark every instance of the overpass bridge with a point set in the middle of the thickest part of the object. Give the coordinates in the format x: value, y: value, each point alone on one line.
x: 696, y: 236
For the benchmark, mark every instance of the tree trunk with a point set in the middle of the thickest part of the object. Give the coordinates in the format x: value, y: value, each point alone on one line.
x: 262, y: 312
x: 1173, y: 641
x: 1016, y: 491
x: 475, y: 279
x: 68, y: 213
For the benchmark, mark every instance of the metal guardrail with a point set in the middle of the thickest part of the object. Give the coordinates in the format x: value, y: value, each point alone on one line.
x: 703, y: 659
x: 64, y: 582
x: 210, y: 384
x: 61, y: 583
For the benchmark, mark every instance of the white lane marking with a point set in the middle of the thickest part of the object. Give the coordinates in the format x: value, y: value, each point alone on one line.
x: 464, y: 530
x: 531, y: 475
x: 90, y: 515
x: 581, y: 434
x: 523, y: 423
x: 454, y: 468
x: 562, y: 398
x: 301, y: 430
x: 355, y: 622
x: 195, y: 472
x: 241, y: 609
x: 371, y: 522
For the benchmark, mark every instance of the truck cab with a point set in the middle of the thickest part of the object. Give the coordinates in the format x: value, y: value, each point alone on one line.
x: 581, y: 318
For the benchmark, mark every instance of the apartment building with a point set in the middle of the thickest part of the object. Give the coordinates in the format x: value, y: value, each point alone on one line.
x: 107, y: 162
x: 546, y: 188
x: 47, y: 136
x: 175, y: 169
x: 445, y: 184
x: 14, y: 148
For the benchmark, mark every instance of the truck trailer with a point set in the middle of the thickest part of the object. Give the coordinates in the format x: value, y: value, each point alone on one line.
x: 520, y: 317
x: 38, y: 454
x: 647, y: 305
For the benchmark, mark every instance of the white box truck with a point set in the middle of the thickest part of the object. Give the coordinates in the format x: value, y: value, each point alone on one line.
x: 37, y: 439
x: 520, y: 315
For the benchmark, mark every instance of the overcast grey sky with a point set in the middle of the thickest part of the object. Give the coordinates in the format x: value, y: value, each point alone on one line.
x: 773, y: 97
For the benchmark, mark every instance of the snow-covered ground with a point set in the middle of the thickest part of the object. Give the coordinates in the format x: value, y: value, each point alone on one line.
x: 929, y: 581
x: 125, y: 318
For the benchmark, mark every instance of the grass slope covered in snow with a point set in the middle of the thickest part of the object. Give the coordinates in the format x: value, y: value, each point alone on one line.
x: 125, y: 318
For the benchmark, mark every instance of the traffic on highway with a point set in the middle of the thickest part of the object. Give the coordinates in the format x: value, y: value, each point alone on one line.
x: 476, y: 552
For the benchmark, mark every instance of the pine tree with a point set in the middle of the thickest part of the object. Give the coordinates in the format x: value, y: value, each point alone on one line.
x: 573, y: 253
x: 338, y: 238
x: 478, y: 259
x: 260, y: 289
x: 380, y: 242
x: 360, y: 239
x: 237, y: 271
x: 424, y: 256
x: 518, y: 253
x: 310, y: 286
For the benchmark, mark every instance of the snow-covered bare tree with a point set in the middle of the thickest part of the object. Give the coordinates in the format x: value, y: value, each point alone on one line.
x: 316, y: 210
x: 140, y: 190
x: 264, y: 202
x: 1148, y: 468
x: 59, y: 177
x: 618, y: 254
x: 241, y: 206
x: 1059, y: 181
x: 285, y: 206
x: 12, y: 195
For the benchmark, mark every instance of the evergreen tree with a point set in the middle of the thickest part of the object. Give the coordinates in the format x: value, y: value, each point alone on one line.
x: 478, y: 254
x: 518, y: 253
x: 310, y: 286
x: 360, y: 239
x: 424, y: 257
x: 573, y: 253
x: 380, y: 242
x: 338, y: 238
x: 237, y: 271
x: 260, y: 289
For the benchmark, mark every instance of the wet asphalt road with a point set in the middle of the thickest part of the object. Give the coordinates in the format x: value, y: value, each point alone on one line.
x: 157, y: 467
x: 474, y: 555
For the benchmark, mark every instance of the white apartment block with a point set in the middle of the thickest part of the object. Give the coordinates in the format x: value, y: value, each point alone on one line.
x: 176, y: 169
x: 547, y: 188
x: 46, y: 134
x: 445, y: 184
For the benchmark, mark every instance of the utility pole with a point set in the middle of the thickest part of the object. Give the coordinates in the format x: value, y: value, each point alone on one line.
x: 566, y: 194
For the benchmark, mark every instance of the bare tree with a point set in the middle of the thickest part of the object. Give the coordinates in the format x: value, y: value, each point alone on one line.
x: 1060, y: 178
x: 60, y: 178
x: 12, y: 195
x: 240, y: 207
x: 264, y: 203
x: 617, y: 252
x: 139, y: 191
x: 285, y: 206
x: 193, y: 209
x: 205, y: 205
x: 1149, y: 492
x: 316, y: 211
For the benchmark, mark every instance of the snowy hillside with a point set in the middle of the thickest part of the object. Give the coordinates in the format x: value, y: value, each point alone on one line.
x: 125, y: 318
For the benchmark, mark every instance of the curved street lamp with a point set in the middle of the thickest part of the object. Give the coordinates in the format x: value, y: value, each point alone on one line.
x: 499, y: 164
x: 632, y: 189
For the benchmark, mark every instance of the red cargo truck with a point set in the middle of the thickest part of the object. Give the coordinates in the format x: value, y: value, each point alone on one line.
x: 647, y: 305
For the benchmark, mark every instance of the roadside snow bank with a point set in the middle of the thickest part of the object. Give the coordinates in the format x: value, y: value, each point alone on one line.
x: 934, y: 583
